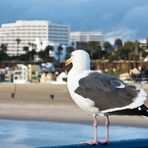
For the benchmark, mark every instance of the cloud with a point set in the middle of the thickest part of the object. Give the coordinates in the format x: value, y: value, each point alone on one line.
x: 137, y: 18
x: 82, y: 15
x: 123, y: 33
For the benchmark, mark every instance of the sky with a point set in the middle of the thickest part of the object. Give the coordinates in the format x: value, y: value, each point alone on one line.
x: 125, y: 19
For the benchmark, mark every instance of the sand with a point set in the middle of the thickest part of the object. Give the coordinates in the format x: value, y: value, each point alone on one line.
x: 51, y: 103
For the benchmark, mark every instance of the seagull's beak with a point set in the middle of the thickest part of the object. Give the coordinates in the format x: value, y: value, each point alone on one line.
x: 67, y: 62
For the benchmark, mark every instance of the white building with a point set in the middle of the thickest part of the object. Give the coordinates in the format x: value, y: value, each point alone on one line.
x: 20, y: 74
x: 144, y: 43
x: 86, y: 37
x: 58, y: 33
x: 29, y: 31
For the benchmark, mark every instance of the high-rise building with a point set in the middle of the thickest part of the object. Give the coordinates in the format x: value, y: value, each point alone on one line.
x: 85, y: 37
x: 22, y: 33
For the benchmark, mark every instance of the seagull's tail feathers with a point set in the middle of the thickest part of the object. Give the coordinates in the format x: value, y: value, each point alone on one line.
x: 144, y: 111
x: 139, y: 111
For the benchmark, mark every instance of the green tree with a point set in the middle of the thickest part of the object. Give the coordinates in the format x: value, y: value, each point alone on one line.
x: 129, y: 46
x: 133, y: 50
x: 26, y: 49
x: 32, y: 45
x: 3, y: 55
x: 32, y: 51
x: 113, y: 56
x: 3, y: 50
x: 4, y: 47
x: 17, y: 42
x: 136, y: 50
x: 25, y: 56
x: 59, y: 52
x: 95, y: 49
x: 118, y: 43
x: 49, y: 48
x: 69, y: 49
x: 122, y: 54
x: 147, y: 43
x: 107, y: 46
x: 44, y: 55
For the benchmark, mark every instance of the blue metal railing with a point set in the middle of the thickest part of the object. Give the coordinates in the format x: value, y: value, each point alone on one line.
x: 136, y: 143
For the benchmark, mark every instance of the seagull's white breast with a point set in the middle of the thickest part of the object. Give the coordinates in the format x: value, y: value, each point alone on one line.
x: 73, y: 83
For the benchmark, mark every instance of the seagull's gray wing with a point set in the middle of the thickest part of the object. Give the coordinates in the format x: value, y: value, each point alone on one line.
x: 107, y: 92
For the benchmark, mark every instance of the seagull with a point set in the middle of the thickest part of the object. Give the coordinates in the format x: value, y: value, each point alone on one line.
x: 101, y: 94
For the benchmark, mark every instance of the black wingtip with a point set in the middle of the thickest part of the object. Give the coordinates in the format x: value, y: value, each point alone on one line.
x: 144, y: 109
x: 139, y: 111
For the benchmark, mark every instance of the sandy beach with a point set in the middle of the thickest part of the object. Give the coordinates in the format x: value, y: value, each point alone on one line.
x: 51, y: 102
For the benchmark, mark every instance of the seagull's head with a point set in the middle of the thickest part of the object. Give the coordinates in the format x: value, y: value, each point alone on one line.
x: 80, y: 60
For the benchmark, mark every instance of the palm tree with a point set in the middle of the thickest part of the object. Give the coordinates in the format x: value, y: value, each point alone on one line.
x: 3, y: 54
x: 3, y: 47
x: 96, y: 51
x: 32, y: 46
x: 26, y: 49
x: 136, y: 50
x: 129, y: 46
x: 49, y: 49
x: 107, y: 46
x: 118, y: 43
x: 69, y: 49
x: 45, y: 53
x: 59, y: 52
x: 18, y: 42
x: 147, y: 43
